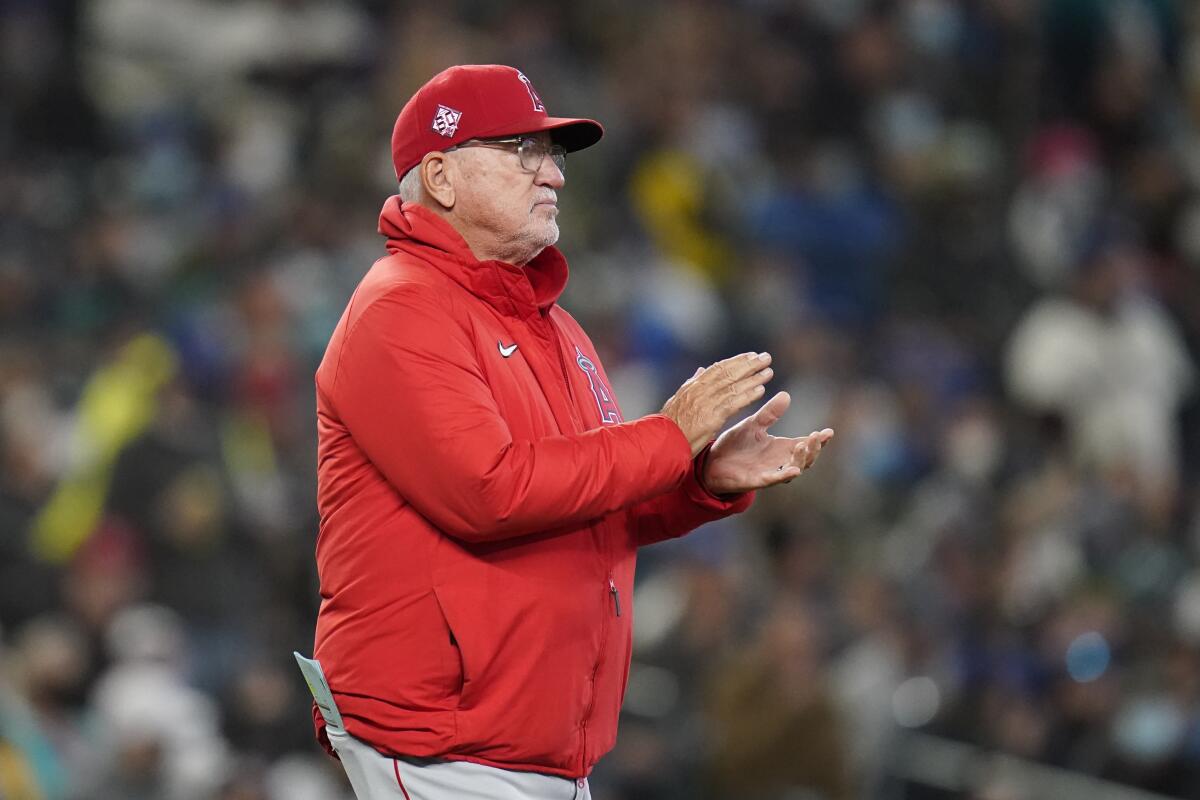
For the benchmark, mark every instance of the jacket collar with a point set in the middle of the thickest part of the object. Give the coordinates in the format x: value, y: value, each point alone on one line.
x: 515, y: 291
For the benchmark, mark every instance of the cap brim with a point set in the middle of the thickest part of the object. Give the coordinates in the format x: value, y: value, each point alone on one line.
x: 573, y: 134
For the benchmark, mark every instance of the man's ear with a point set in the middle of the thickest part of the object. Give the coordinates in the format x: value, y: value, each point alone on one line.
x: 435, y: 177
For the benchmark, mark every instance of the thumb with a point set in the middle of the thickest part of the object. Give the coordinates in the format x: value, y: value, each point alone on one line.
x: 772, y: 410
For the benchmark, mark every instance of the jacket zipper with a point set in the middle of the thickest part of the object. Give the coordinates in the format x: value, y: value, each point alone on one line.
x: 556, y: 339
x: 587, y: 713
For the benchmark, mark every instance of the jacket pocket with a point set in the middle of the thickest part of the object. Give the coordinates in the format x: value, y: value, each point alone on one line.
x: 456, y: 645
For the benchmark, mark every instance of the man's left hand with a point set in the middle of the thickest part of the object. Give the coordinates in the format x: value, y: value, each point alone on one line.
x: 746, y: 457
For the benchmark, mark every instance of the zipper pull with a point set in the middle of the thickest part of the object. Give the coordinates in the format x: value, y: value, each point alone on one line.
x: 612, y: 587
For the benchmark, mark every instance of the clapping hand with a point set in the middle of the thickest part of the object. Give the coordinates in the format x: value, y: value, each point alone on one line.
x: 747, y: 457
x: 715, y: 393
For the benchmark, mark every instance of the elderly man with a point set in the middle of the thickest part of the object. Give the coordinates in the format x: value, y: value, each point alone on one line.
x: 482, y: 499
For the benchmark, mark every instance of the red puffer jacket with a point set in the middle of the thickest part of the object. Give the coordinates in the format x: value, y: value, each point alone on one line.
x: 481, y: 504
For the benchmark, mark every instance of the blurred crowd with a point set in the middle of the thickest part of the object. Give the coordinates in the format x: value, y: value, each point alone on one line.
x: 968, y: 231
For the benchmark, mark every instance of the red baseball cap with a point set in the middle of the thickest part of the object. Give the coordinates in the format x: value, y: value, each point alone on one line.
x: 477, y: 101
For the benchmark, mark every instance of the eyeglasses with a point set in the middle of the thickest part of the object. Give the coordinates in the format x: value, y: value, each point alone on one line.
x: 530, y: 149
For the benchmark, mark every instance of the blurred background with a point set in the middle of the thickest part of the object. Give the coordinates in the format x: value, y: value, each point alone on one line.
x: 968, y: 230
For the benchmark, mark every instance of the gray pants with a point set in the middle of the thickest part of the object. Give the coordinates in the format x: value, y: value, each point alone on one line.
x: 375, y: 776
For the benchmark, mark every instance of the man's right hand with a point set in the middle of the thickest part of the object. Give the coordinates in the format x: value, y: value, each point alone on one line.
x: 710, y: 397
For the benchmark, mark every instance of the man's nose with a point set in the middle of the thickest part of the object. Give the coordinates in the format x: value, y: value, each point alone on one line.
x: 549, y: 174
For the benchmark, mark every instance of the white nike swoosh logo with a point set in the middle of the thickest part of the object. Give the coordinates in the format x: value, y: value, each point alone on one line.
x: 506, y: 351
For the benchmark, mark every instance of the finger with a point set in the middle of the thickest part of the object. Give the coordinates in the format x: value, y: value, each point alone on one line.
x: 816, y: 441
x: 732, y: 370
x: 734, y: 398
x: 750, y: 381
x: 814, y: 450
x: 773, y: 410
x: 737, y: 399
x: 800, y: 454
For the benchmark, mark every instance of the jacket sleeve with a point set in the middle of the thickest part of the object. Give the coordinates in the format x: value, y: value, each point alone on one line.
x: 675, y: 513
x: 409, y: 389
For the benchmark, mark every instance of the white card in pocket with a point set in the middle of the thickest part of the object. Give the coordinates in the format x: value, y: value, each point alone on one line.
x: 314, y: 676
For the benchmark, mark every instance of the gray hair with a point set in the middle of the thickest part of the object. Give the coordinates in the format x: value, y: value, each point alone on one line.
x: 411, y: 189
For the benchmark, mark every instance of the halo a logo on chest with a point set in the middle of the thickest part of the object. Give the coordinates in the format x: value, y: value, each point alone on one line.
x: 610, y: 414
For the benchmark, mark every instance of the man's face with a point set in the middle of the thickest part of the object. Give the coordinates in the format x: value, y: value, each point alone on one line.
x: 497, y: 198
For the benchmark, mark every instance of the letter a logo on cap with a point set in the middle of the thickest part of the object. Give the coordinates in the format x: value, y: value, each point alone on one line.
x: 533, y: 95
x: 445, y: 121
